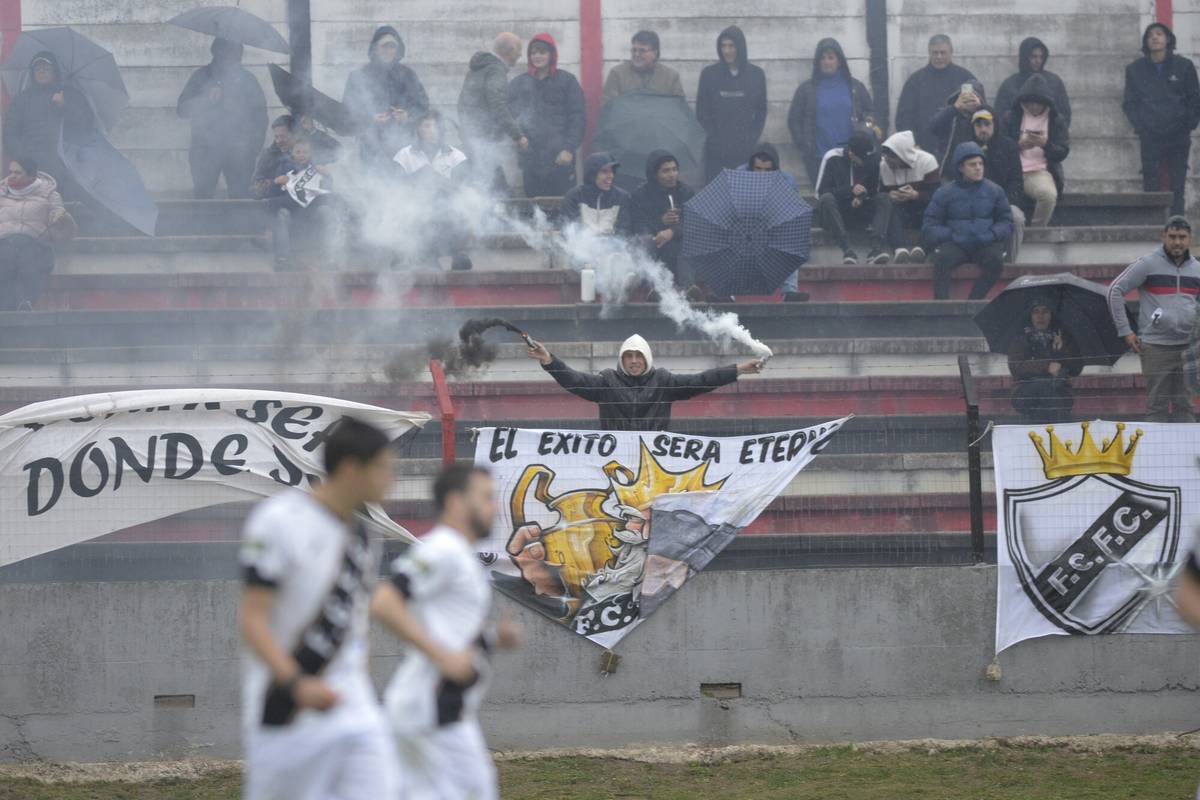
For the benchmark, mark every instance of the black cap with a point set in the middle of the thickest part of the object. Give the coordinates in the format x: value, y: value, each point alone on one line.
x: 1178, y: 221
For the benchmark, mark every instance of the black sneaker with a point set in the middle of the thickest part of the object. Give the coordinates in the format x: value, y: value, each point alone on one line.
x: 878, y: 257
x: 849, y: 256
x: 461, y: 263
x: 795, y: 297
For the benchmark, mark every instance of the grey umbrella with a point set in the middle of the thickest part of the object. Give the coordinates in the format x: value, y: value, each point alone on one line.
x: 234, y: 24
x: 84, y: 63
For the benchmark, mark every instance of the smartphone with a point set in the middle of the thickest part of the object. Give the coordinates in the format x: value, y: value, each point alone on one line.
x: 967, y: 88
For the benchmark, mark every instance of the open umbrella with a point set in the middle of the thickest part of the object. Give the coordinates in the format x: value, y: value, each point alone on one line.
x: 84, y: 63
x: 634, y: 125
x: 234, y: 24
x: 110, y: 180
x: 302, y: 99
x: 746, y: 232
x: 1080, y: 306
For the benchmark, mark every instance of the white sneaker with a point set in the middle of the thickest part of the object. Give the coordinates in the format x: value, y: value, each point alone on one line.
x: 916, y: 255
x: 901, y: 256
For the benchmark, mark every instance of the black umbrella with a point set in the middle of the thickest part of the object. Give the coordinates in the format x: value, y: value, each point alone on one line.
x: 302, y: 99
x: 1079, y: 306
x: 84, y: 63
x: 234, y: 24
x: 110, y: 180
x: 634, y: 125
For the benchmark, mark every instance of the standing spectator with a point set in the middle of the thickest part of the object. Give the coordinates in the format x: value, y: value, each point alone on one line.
x: 31, y: 215
x: 484, y: 115
x: 657, y: 213
x: 228, y: 112
x: 766, y: 159
x: 383, y: 98
x: 270, y: 162
x: 967, y: 222
x: 926, y: 90
x: 642, y: 72
x: 635, y: 396
x: 1044, y: 141
x: 1043, y: 360
x: 847, y: 183
x: 1168, y: 281
x: 1002, y: 166
x: 731, y: 104
x: 908, y: 177
x: 1162, y: 103
x: 827, y: 107
x: 952, y: 126
x: 434, y: 169
x: 1031, y: 59
x: 47, y: 112
x: 597, y: 203
x: 548, y: 105
x: 306, y: 199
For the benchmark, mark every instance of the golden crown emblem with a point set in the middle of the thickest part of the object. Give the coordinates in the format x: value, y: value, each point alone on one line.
x: 1112, y: 458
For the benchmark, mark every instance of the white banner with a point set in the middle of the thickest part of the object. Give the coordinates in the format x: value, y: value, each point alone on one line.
x: 1093, y: 523
x: 597, y: 529
x: 81, y: 467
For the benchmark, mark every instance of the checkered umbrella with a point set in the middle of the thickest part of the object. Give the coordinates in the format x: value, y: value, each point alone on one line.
x: 746, y: 232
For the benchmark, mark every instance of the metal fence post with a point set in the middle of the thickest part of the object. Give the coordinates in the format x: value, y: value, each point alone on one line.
x: 974, y: 460
x: 446, y: 409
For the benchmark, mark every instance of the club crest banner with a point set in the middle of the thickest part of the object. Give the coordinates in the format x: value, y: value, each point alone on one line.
x: 1093, y: 523
x: 597, y: 529
x: 81, y: 467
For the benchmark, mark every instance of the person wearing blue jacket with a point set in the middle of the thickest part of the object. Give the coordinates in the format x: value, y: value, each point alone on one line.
x: 967, y: 222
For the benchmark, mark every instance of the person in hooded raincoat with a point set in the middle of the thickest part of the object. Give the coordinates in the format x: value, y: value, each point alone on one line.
x: 549, y: 108
x: 1044, y: 141
x: 48, y: 112
x: 658, y: 213
x: 384, y: 98
x: 731, y: 104
x: 636, y: 396
x: 828, y: 107
x: 1031, y: 59
x: 1043, y: 360
x: 598, y: 203
x: 925, y: 92
x: 228, y: 112
x: 908, y: 177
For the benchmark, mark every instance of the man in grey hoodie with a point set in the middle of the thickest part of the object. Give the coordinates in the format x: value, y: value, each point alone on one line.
x: 1168, y: 282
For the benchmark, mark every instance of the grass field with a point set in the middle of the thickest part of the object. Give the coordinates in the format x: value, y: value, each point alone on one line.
x: 842, y: 773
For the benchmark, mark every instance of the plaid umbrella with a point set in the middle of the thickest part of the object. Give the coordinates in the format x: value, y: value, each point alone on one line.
x: 1079, y: 306
x: 746, y: 232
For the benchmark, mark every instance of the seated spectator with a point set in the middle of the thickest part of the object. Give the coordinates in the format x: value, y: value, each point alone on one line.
x: 31, y: 216
x: 596, y: 203
x: 908, y: 177
x: 925, y: 92
x: 828, y: 107
x: 273, y: 156
x: 435, y: 169
x: 1044, y: 140
x: 657, y: 209
x: 847, y: 183
x: 548, y: 105
x: 967, y: 222
x: 228, y: 112
x: 1043, y: 361
x: 635, y: 396
x: 951, y: 125
x: 307, y: 203
x: 642, y: 72
x: 47, y: 113
x: 731, y: 104
x: 766, y: 159
x: 1002, y: 166
x: 1031, y: 59
x: 383, y: 98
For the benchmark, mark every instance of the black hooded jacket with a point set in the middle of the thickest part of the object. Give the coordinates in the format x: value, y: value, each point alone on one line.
x: 1162, y: 104
x: 732, y: 109
x: 949, y: 128
x: 589, y: 194
x: 1002, y: 163
x: 375, y: 88
x: 924, y: 95
x: 1058, y: 140
x: 802, y: 115
x: 483, y: 108
x: 34, y: 121
x: 550, y: 110
x: 1013, y: 83
x: 651, y: 201
x: 839, y: 176
x: 238, y: 119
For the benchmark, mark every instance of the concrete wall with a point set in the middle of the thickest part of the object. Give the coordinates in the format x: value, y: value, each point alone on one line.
x: 821, y: 655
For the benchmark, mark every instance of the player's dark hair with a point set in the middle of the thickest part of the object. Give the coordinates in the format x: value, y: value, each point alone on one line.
x: 350, y: 438
x: 452, y: 480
